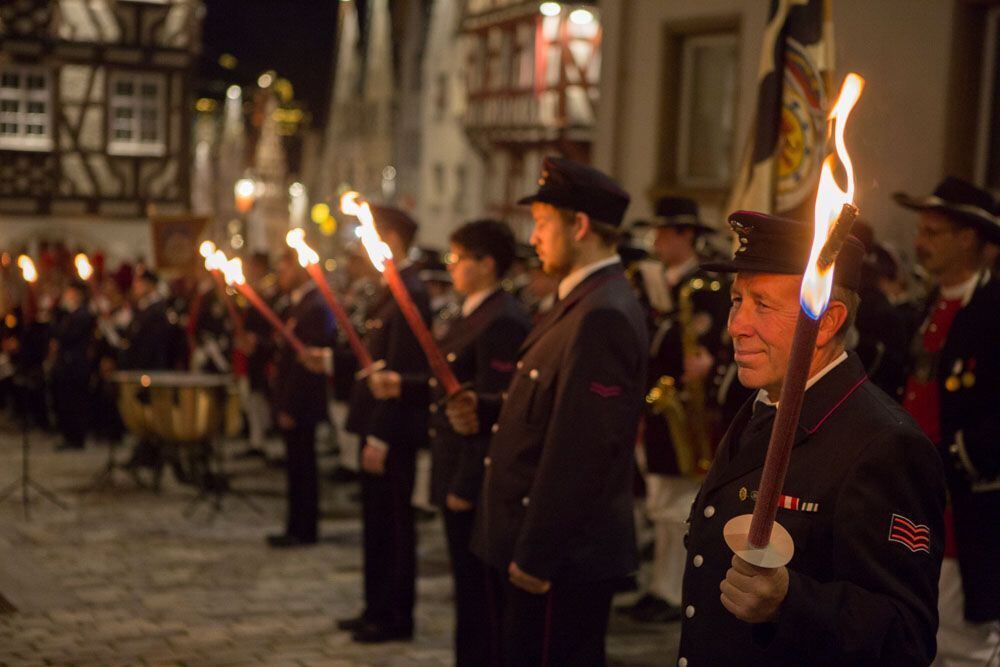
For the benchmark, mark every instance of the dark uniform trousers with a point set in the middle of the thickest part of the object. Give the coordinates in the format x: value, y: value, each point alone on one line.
x: 390, y: 540
x: 863, y: 502
x: 557, y: 492
x: 301, y: 394
x: 481, y: 349
x: 565, y: 626
x: 401, y: 424
x: 71, y: 375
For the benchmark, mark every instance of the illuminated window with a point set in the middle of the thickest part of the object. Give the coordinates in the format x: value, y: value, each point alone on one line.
x: 136, y: 110
x: 25, y: 108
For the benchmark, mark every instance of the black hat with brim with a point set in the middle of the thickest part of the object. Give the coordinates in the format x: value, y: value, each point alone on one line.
x: 679, y: 213
x: 769, y: 244
x: 960, y: 201
x: 579, y: 187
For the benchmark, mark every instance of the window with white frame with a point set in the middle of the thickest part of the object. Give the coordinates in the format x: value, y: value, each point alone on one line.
x: 707, y: 109
x: 136, y: 113
x: 25, y: 108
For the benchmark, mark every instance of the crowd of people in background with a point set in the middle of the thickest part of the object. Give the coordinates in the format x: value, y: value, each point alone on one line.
x: 62, y: 339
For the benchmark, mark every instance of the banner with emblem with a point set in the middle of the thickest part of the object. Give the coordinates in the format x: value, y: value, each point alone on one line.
x: 780, y: 168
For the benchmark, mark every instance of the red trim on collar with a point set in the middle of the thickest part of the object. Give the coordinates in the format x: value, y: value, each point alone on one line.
x: 850, y: 391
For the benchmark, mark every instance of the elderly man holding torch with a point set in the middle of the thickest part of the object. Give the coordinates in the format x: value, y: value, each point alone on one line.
x: 862, y: 499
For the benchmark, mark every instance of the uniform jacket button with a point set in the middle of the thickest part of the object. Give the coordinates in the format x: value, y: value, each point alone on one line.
x: 709, y: 512
x: 503, y: 396
x: 433, y: 407
x: 525, y: 501
x: 682, y: 662
x: 533, y: 373
x: 487, y: 462
x: 520, y: 365
x: 451, y: 357
x: 494, y: 428
x: 689, y: 611
x: 432, y: 382
x: 698, y: 560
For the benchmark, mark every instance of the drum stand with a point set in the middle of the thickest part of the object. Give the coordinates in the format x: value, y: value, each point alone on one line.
x: 214, y: 485
x: 25, y: 482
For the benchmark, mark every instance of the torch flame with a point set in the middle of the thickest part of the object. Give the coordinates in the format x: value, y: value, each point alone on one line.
x: 206, y: 249
x: 830, y: 199
x: 215, y: 261
x: 83, y: 267
x: 232, y: 271
x: 377, y: 249
x: 27, y: 269
x: 296, y: 239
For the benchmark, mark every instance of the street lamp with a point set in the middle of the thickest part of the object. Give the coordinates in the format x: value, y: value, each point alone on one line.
x: 245, y: 193
x: 244, y: 197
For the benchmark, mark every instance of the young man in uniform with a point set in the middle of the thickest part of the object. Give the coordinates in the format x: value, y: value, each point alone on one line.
x: 481, y: 347
x: 300, y: 401
x: 554, y: 520
x: 391, y: 430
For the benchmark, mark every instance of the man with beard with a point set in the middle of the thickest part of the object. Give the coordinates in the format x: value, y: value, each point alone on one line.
x: 554, y: 520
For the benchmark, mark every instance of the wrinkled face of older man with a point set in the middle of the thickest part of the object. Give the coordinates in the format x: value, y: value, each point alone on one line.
x: 762, y: 317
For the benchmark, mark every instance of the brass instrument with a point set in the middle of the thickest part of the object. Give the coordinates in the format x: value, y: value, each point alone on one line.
x: 685, y: 411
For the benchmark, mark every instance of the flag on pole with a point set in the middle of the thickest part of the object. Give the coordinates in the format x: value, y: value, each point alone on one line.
x: 780, y: 169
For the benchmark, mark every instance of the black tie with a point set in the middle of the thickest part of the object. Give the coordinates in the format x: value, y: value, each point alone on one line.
x: 760, y: 421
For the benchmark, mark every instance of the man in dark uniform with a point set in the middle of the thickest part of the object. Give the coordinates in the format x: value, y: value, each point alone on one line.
x: 953, y: 391
x: 554, y: 520
x: 147, y: 339
x: 72, y: 343
x: 257, y: 345
x: 862, y: 499
x: 392, y: 431
x: 481, y: 346
x: 300, y: 401
x: 148, y: 344
x: 688, y: 307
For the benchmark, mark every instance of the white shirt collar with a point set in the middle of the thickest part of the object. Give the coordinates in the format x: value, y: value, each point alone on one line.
x: 674, y: 274
x: 963, y: 290
x: 762, y: 394
x: 569, y: 283
x: 299, y: 292
x: 476, y: 299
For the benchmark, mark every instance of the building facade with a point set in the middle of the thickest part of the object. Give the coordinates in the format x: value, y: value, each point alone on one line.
x: 95, y: 119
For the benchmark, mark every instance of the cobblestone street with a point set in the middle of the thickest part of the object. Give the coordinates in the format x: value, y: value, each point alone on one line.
x: 122, y: 576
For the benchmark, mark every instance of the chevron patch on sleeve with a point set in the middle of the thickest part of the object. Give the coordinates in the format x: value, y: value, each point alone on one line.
x: 913, y: 536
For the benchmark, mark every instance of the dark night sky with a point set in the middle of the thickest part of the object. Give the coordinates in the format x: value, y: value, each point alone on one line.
x: 293, y: 37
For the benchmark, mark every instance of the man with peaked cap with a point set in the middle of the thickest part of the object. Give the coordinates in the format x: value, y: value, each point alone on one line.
x: 391, y: 430
x: 953, y: 391
x: 481, y: 347
x: 689, y: 297
x: 863, y: 497
x: 299, y: 396
x: 554, y: 519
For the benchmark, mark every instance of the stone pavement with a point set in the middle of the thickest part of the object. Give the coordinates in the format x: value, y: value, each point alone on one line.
x: 122, y: 577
